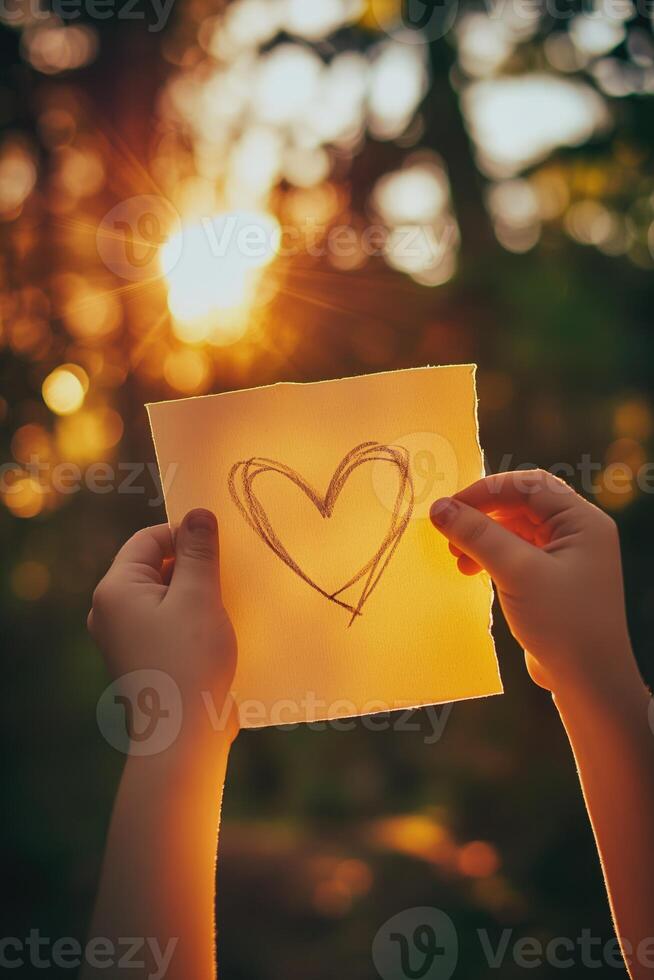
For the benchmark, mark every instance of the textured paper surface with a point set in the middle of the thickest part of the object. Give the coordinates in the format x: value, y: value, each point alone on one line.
x: 263, y: 460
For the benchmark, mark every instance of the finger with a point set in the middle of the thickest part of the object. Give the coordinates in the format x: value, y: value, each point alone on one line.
x: 528, y: 527
x: 503, y: 554
x: 142, y: 557
x: 196, y: 568
x: 468, y: 566
x: 167, y: 570
x: 539, y: 492
x: 520, y: 525
x: 517, y: 524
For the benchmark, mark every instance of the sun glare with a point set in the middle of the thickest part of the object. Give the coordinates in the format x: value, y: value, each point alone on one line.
x: 213, y: 268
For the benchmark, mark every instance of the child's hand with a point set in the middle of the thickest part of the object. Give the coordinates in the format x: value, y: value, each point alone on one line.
x: 555, y: 559
x: 159, y: 607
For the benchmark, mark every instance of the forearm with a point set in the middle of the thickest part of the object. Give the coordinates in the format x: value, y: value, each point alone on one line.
x: 613, y: 746
x: 158, y: 878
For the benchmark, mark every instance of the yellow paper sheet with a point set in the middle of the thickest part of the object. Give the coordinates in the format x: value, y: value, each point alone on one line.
x: 344, y: 599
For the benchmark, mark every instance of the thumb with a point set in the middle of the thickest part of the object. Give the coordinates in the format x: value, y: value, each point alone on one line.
x: 502, y: 553
x: 196, y: 555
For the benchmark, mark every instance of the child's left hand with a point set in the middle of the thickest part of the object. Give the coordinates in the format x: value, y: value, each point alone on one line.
x: 159, y: 610
x: 159, y: 607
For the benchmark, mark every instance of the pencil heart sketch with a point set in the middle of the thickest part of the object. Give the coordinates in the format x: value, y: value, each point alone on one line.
x: 241, y: 481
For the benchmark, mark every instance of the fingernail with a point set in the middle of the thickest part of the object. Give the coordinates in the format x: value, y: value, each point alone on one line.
x: 442, y: 511
x: 201, y: 520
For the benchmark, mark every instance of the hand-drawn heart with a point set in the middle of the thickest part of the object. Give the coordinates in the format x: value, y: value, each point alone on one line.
x: 241, y: 480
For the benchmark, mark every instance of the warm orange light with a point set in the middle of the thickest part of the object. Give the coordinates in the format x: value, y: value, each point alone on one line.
x: 24, y: 497
x: 90, y: 312
x: 64, y: 389
x: 31, y: 440
x: 187, y: 371
x: 307, y: 522
x: 634, y: 419
x: 85, y: 436
x: 617, y: 486
x: 212, y: 268
x: 27, y: 334
x: 414, y: 834
x: 17, y: 176
x: 478, y: 859
x: 339, y: 883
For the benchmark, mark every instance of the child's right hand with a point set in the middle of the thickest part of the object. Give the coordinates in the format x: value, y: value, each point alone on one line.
x: 555, y: 559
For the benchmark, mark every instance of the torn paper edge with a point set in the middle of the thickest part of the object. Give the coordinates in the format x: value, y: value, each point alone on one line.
x: 324, y: 381
x: 473, y: 371
x: 482, y: 474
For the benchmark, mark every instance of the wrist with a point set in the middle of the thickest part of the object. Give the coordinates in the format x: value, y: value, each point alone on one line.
x: 613, y: 686
x: 195, y: 758
x: 194, y: 722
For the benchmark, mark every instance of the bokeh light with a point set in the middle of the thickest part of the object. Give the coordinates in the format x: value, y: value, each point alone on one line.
x: 52, y: 47
x: 212, y: 285
x: 291, y: 190
x: 517, y: 121
x: 23, y: 495
x: 17, y: 174
x: 478, y: 859
x: 89, y: 434
x: 65, y: 388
